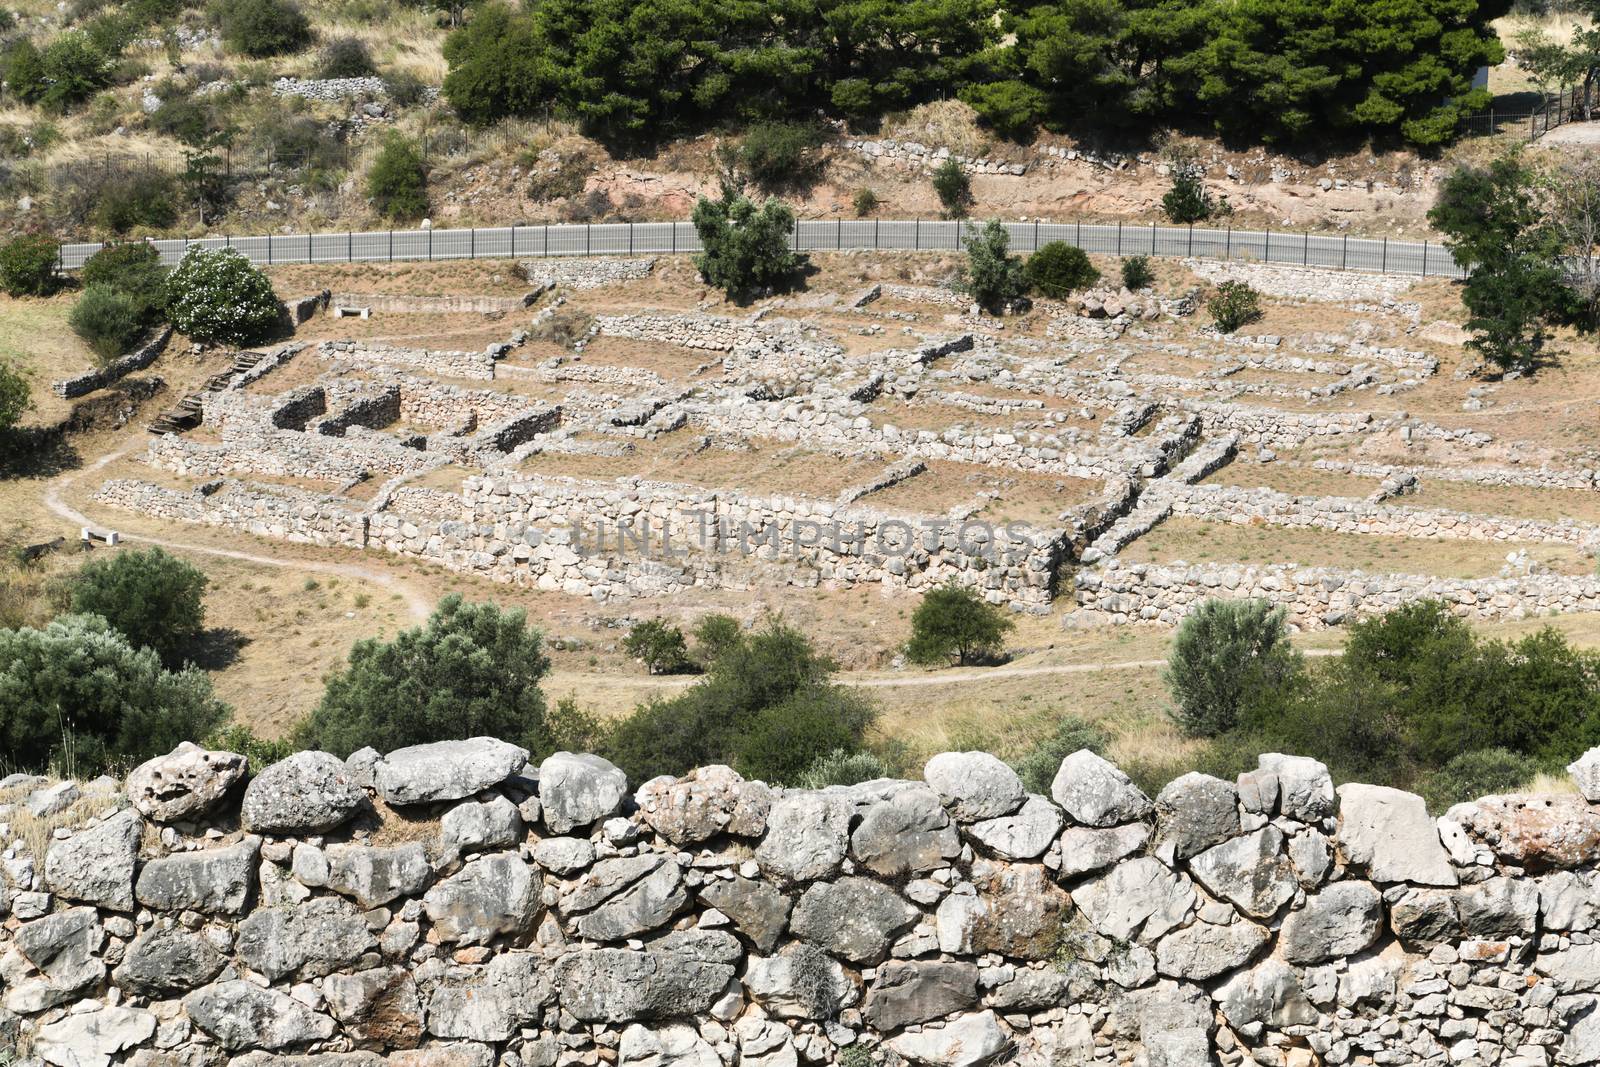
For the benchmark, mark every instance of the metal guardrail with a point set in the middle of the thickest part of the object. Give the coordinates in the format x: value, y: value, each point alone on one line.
x: 1287, y: 248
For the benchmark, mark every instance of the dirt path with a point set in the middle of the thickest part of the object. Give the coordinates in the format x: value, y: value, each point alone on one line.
x: 417, y: 604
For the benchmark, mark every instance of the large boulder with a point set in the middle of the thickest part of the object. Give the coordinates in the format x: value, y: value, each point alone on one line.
x: 800, y: 982
x: 625, y: 896
x: 1499, y: 908
x: 974, y: 785
x: 1014, y: 909
x: 310, y: 792
x: 93, y: 1038
x: 492, y: 895
x: 217, y: 881
x: 315, y: 938
x: 1539, y: 832
x: 372, y: 875
x: 1341, y: 920
x: 165, y: 960
x: 857, y: 918
x: 1585, y: 771
x: 704, y: 803
x: 185, y: 783
x: 1138, y: 899
x: 487, y: 827
x: 1268, y: 994
x: 962, y: 1042
x: 378, y: 1007
x: 673, y: 1045
x: 906, y: 992
x: 241, y: 1015
x: 1195, y: 812
x: 1085, y: 849
x: 446, y: 770
x: 1023, y: 836
x: 63, y: 947
x: 807, y: 835
x: 616, y: 985
x: 756, y: 909
x: 1423, y: 918
x: 579, y: 789
x: 95, y: 865
x: 1093, y: 792
x: 1203, y: 950
x: 1388, y: 832
x: 1305, y: 788
x: 906, y: 831
x: 491, y: 1002
x: 1251, y: 871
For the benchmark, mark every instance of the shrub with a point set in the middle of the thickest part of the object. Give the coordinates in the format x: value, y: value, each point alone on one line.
x: 108, y: 320
x: 262, y: 28
x: 473, y: 670
x: 259, y: 752
x: 218, y: 295
x: 782, y: 155
x: 746, y: 248
x: 1136, y: 273
x: 715, y: 635
x: 24, y: 71
x: 1058, y: 270
x: 992, y: 278
x: 1038, y: 768
x: 72, y: 70
x: 398, y: 181
x: 184, y: 118
x: 658, y: 645
x: 954, y: 621
x: 843, y: 767
x: 139, y: 198
x: 1186, y: 200
x: 76, y: 691
x: 782, y: 741
x: 865, y: 202
x: 13, y: 397
x: 953, y: 188
x: 135, y: 269
x: 404, y: 88
x: 1225, y: 655
x: 346, y: 57
x: 153, y: 599
x: 1233, y: 306
x: 28, y: 265
x: 1480, y: 773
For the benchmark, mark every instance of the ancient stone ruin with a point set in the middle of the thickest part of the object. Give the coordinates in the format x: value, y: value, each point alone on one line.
x: 453, y: 905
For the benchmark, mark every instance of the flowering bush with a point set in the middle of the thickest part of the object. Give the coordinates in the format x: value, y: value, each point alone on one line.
x: 215, y: 294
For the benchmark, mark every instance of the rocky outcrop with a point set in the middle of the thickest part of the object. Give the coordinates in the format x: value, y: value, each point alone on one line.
x: 450, y: 905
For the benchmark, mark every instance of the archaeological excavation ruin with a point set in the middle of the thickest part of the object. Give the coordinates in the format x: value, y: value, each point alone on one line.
x: 1112, y: 457
x: 454, y: 905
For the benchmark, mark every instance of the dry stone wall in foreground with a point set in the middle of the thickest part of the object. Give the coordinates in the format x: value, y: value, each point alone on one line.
x: 451, y: 905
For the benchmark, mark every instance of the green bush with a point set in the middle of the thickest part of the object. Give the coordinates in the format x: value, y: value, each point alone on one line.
x: 109, y: 321
x: 76, y: 695
x: 66, y: 73
x: 865, y: 202
x: 1038, y: 768
x: 1480, y: 773
x: 1058, y: 270
x: 155, y: 600
x: 1228, y: 655
x: 953, y: 188
x: 135, y: 269
x: 141, y: 198
x: 345, y: 57
x: 782, y: 155
x: 13, y: 397
x: 262, y: 28
x: 473, y: 670
x: 1136, y: 273
x: 1234, y: 305
x: 398, y: 181
x: 715, y: 635
x: 955, y: 622
x: 658, y: 645
x: 404, y: 89
x: 1187, y: 200
x: 28, y: 265
x: 259, y: 752
x: 994, y: 279
x: 216, y: 294
x: 843, y: 767
x: 782, y: 741
x: 746, y: 248
x: 183, y: 118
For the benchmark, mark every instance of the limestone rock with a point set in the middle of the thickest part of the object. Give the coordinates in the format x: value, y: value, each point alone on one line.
x: 1012, y: 909
x: 919, y: 991
x: 309, y: 792
x: 317, y: 937
x: 704, y: 803
x: 807, y: 835
x: 1388, y: 832
x: 856, y: 918
x: 93, y: 1038
x: 1499, y: 908
x: 614, y: 985
x: 1585, y: 771
x: 241, y: 1015
x: 1267, y: 994
x: 673, y: 1045
x: 1423, y: 918
x: 974, y: 785
x: 1537, y: 832
x: 376, y: 875
x: 800, y: 982
x: 472, y: 827
x: 492, y: 895
x: 1093, y: 792
x: 379, y: 1007
x: 95, y: 866
x: 1202, y: 950
x: 963, y: 1042
x: 1195, y: 812
x: 63, y: 947
x: 446, y: 770
x: 490, y: 1002
x: 1305, y: 788
x: 623, y: 897
x: 166, y: 960
x: 185, y: 783
x: 217, y: 881
x: 1085, y: 849
x: 906, y: 832
x: 1023, y: 836
x: 757, y: 910
x: 579, y: 790
x: 1341, y: 920
x: 1139, y: 898
x: 1251, y: 871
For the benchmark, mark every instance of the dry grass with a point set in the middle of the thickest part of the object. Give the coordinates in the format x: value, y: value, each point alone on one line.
x: 35, y: 339
x: 36, y: 833
x: 949, y: 123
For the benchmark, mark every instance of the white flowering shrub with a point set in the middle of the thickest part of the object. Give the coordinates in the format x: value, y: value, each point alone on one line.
x: 215, y: 294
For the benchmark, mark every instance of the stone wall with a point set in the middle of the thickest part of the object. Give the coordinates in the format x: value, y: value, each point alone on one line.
x: 433, y: 305
x: 457, y: 905
x: 449, y: 364
x: 1305, y: 283
x: 585, y: 273
x: 280, y: 512
x: 117, y: 369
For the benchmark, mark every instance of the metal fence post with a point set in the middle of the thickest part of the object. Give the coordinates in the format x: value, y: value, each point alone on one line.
x: 1424, y: 259
x: 1266, y: 247
x: 545, y: 252
x: 1305, y: 248
x: 875, y: 245
x: 916, y: 237
x: 1191, y: 240
x: 1344, y: 254
x: 1227, y: 251
x: 1152, y: 238
x: 391, y: 246
x: 630, y: 237
x: 674, y: 237
x: 1119, y: 237
x: 1036, y: 235
x: 838, y: 234
x: 588, y: 230
x: 472, y: 243
x: 1385, y: 268
x: 349, y: 246
x: 430, y: 246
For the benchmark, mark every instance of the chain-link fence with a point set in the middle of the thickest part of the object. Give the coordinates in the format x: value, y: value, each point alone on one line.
x: 1288, y: 248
